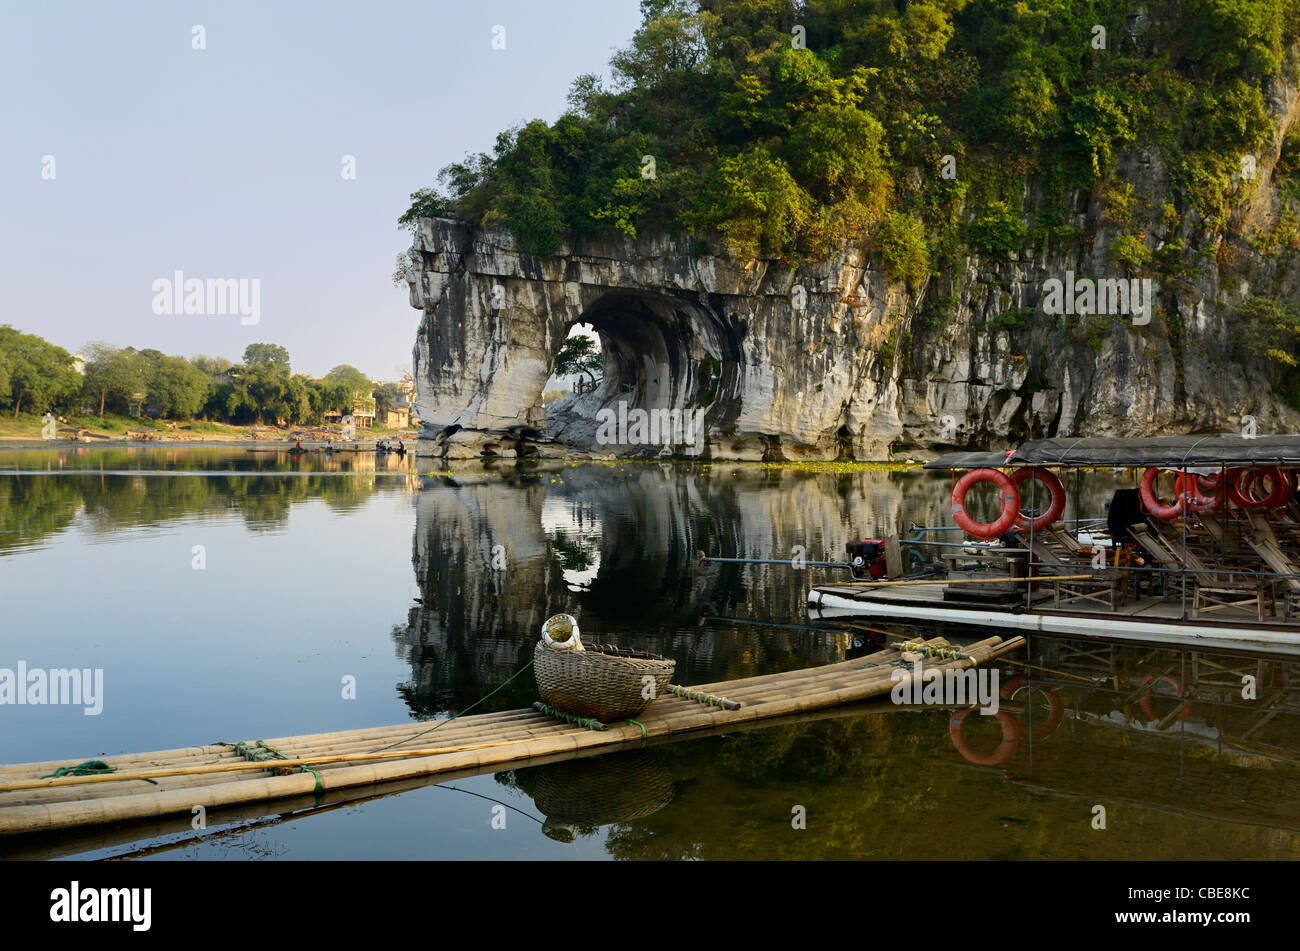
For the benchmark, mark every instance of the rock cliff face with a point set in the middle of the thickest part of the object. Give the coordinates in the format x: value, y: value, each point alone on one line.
x: 830, y: 358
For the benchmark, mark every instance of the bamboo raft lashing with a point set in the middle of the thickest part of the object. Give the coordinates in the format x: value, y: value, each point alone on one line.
x: 151, y: 785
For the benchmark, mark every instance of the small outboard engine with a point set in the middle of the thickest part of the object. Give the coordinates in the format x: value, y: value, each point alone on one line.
x: 867, y: 557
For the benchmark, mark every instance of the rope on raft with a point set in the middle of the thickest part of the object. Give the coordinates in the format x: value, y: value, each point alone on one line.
x: 699, y: 696
x: 457, y: 716
x: 263, y: 753
x: 946, y: 653
x: 91, y: 767
x: 587, y: 723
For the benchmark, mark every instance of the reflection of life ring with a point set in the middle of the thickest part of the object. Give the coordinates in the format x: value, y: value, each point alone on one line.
x: 1055, y: 705
x: 1149, y: 709
x: 1146, y: 491
x: 1054, y: 486
x: 1245, y: 487
x: 1008, y: 501
x: 1189, y: 491
x: 1000, y: 754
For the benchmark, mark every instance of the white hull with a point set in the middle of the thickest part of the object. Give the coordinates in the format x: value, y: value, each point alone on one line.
x: 1091, y: 626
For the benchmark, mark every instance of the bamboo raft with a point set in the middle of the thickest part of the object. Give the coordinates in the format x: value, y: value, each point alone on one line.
x: 164, y: 783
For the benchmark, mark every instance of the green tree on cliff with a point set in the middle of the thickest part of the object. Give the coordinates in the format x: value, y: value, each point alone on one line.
x: 578, y: 355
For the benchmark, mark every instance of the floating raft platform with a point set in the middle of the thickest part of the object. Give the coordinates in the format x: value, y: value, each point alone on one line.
x: 168, y: 782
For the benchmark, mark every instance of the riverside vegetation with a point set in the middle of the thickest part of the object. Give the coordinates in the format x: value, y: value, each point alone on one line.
x: 117, y: 384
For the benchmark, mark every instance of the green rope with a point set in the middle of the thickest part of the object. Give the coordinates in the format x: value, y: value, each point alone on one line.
x: 308, y: 769
x: 256, y: 756
x: 699, y: 696
x: 587, y: 723
x: 267, y: 753
x: 643, y: 733
x: 276, y: 753
x: 461, y: 714
x: 91, y: 767
x: 948, y: 653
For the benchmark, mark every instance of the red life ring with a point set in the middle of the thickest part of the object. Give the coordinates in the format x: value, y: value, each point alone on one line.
x: 1008, y: 501
x: 1244, y: 487
x: 1239, y: 480
x: 1000, y: 753
x: 1146, y: 491
x: 1149, y: 709
x: 1280, y: 487
x: 1054, y: 486
x: 1189, y: 491
x: 1055, y: 705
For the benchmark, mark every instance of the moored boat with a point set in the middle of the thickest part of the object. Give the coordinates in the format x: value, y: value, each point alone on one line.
x: 1204, y: 547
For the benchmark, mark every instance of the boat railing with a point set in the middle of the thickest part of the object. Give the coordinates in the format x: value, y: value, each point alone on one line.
x: 1215, y: 569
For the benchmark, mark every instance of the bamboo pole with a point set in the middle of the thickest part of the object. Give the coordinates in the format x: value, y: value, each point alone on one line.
x: 879, y: 658
x: 883, y: 675
x: 242, y: 764
x: 392, y: 732
x: 449, y: 736
x: 737, y: 686
x: 819, y: 678
x: 186, y: 773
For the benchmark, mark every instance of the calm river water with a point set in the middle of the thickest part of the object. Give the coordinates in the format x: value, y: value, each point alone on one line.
x: 228, y: 595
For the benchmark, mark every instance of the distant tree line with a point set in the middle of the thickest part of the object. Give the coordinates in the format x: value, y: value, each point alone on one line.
x: 37, y: 376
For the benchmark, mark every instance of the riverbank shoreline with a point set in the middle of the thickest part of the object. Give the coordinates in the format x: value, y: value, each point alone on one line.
x: 166, y: 438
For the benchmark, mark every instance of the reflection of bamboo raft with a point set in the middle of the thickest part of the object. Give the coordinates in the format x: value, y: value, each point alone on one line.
x: 600, y: 791
x: 146, y: 785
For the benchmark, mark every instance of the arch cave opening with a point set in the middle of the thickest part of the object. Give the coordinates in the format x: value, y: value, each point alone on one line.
x: 658, y: 353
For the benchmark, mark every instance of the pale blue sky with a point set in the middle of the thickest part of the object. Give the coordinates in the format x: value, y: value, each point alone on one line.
x: 225, y: 162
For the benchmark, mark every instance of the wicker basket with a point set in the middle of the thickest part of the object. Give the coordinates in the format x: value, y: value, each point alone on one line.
x: 603, y: 682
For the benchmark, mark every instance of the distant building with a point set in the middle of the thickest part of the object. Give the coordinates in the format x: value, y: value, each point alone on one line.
x: 362, y: 411
x: 405, y: 404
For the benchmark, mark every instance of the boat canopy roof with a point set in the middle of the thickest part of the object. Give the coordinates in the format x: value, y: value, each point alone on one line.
x: 1169, y: 452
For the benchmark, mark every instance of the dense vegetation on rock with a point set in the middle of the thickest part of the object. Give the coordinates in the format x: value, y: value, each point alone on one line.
x: 786, y: 127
